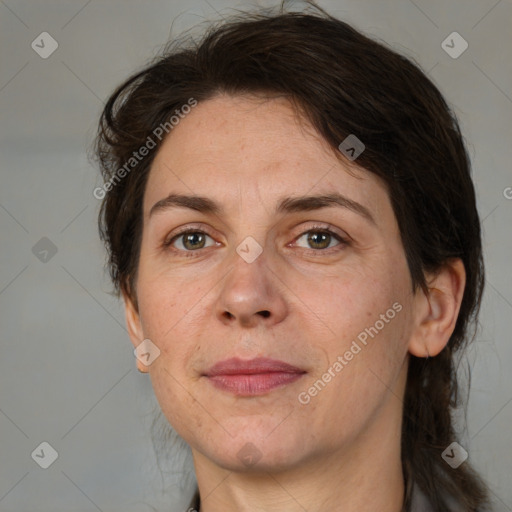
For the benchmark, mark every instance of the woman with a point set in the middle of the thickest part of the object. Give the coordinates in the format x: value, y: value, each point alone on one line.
x: 291, y: 222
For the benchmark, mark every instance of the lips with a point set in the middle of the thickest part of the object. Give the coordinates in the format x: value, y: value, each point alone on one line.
x: 254, y: 377
x: 236, y: 366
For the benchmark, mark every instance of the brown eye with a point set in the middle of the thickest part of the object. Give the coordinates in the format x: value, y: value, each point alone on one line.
x: 189, y: 240
x: 320, y: 239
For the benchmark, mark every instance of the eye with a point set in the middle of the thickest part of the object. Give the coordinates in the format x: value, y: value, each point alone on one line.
x: 321, y: 238
x: 317, y: 239
x: 190, y: 240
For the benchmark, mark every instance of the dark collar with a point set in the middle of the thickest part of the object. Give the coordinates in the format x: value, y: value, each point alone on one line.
x: 195, y: 502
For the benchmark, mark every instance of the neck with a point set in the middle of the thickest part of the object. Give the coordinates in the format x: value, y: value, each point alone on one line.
x: 364, y: 473
x: 366, y: 476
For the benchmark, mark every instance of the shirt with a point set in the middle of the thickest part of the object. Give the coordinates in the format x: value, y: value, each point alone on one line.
x: 419, y: 502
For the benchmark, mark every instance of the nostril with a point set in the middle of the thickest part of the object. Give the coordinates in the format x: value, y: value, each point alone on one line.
x: 265, y: 313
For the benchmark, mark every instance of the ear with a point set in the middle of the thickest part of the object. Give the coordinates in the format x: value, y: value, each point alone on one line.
x: 134, y: 326
x: 436, y: 312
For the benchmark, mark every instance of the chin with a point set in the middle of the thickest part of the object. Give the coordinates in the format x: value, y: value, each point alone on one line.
x: 250, y: 459
x: 253, y: 451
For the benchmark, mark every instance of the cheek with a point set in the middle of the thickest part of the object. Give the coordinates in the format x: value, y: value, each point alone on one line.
x: 165, y: 300
x: 363, y: 358
x: 361, y: 318
x: 347, y: 303
x: 177, y: 404
x: 163, y: 311
x: 176, y: 313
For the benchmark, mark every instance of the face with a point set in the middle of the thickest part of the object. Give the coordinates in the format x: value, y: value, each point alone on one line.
x: 320, y: 285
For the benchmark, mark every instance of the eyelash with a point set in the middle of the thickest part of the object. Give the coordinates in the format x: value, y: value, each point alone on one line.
x: 313, y: 229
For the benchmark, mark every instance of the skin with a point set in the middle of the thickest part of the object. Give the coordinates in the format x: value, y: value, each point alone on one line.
x: 340, y: 451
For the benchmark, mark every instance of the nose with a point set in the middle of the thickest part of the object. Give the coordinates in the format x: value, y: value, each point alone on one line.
x: 251, y: 294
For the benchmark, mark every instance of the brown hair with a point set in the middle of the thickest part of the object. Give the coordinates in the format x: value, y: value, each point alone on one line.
x: 344, y: 83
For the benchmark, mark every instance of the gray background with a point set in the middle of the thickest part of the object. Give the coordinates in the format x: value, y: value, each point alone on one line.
x: 68, y: 373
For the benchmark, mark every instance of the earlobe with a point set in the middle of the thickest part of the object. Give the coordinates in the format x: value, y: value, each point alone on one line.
x: 134, y: 326
x: 438, y: 309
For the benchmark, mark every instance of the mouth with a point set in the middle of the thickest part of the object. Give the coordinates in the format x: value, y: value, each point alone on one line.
x: 252, y: 378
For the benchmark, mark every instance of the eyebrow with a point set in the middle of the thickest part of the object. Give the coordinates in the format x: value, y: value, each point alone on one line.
x: 285, y: 205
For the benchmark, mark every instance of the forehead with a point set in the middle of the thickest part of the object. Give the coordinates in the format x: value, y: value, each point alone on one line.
x: 257, y: 149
